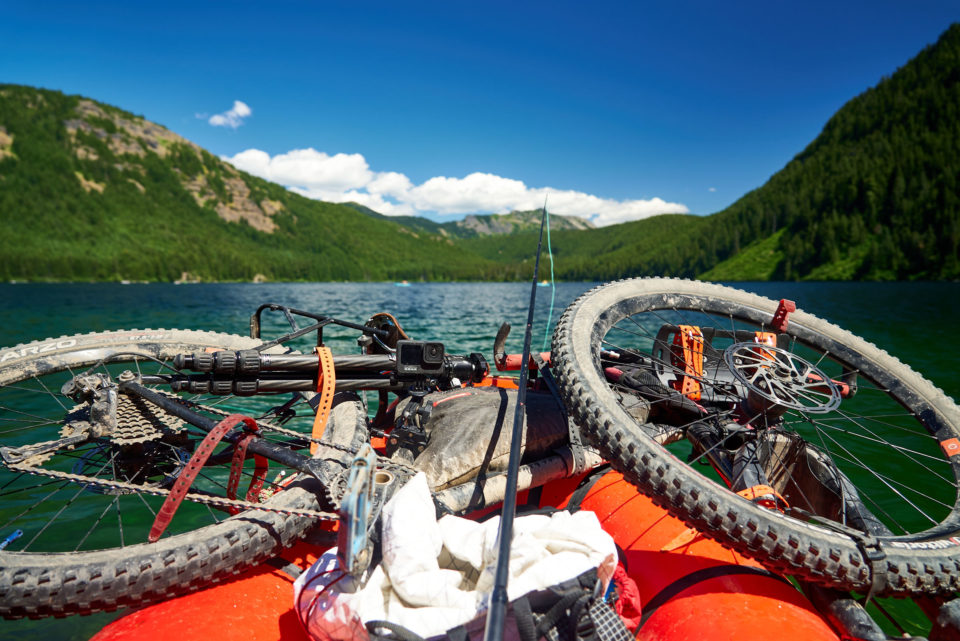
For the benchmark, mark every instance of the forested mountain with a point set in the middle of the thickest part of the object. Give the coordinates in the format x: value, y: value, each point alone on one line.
x: 874, y: 196
x: 89, y: 191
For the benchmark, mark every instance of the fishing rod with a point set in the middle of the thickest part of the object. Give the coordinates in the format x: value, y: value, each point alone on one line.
x: 496, y: 614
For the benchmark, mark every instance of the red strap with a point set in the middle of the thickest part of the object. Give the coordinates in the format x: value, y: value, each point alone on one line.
x: 182, y: 485
x: 261, y: 465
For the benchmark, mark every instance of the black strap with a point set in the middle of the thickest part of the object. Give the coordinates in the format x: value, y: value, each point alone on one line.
x: 559, y: 612
x: 395, y: 631
x: 689, y: 580
x: 576, y: 444
x: 523, y: 615
x: 586, y: 484
x: 289, y: 568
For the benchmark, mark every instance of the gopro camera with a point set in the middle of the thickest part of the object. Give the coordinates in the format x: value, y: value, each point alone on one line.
x: 419, y: 358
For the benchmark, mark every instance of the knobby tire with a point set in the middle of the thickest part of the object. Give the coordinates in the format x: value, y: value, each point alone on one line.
x: 61, y: 583
x: 926, y: 561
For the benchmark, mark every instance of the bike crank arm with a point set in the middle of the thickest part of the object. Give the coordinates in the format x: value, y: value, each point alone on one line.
x: 263, y: 447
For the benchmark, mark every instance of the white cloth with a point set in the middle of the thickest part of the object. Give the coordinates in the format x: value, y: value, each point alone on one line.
x: 437, y: 575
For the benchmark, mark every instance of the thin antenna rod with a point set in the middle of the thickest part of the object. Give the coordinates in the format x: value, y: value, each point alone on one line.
x: 496, y: 615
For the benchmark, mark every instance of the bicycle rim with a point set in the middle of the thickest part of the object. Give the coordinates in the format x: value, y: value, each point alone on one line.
x: 872, y: 467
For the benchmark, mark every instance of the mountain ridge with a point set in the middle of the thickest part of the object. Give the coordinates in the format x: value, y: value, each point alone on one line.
x: 89, y: 191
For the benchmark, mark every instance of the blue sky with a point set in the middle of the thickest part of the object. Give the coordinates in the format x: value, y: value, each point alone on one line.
x: 615, y: 111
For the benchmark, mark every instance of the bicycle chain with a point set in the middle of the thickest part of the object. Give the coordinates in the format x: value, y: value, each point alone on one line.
x: 132, y: 488
x: 131, y: 431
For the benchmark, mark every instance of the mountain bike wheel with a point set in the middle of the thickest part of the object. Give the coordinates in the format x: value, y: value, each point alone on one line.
x: 854, y: 447
x: 83, y: 547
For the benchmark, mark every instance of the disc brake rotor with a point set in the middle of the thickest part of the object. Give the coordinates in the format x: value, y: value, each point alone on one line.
x: 778, y: 379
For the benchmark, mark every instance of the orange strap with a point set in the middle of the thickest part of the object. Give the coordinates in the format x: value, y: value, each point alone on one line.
x: 764, y: 338
x: 757, y: 494
x: 688, y: 353
x: 326, y: 384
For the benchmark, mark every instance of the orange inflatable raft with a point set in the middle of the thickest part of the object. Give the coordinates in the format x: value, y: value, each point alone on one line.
x: 690, y: 587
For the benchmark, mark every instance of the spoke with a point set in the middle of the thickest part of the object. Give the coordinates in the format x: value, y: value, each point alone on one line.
x: 945, y: 479
x: 206, y: 477
x: 874, y: 437
x: 146, y: 503
x: 55, y: 517
x: 83, y: 488
x: 889, y: 483
x: 830, y: 456
x: 899, y: 484
x: 796, y: 394
x: 29, y: 390
x: 120, y: 520
x: 26, y: 488
x: 116, y: 501
x: 97, y: 522
x: 33, y: 507
x: 874, y: 419
x: 55, y: 397
x: 42, y: 419
x: 27, y: 427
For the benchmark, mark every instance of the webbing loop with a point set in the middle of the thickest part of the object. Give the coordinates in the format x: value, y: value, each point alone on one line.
x: 191, y: 470
x: 236, y: 468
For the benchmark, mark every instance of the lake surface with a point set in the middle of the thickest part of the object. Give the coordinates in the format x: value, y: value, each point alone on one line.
x: 916, y: 322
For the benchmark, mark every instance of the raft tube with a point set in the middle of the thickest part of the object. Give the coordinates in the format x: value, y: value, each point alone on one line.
x: 256, y: 605
x: 691, y: 588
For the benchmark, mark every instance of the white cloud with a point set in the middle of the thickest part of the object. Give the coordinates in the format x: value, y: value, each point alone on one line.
x: 308, y: 170
x: 712, y: 189
x: 390, y: 183
x: 233, y: 117
x: 348, y: 177
x: 476, y: 192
